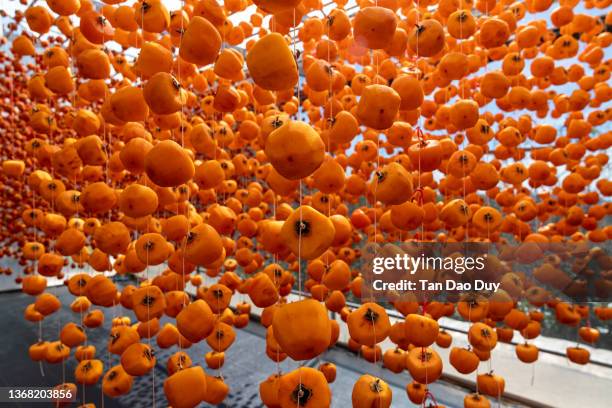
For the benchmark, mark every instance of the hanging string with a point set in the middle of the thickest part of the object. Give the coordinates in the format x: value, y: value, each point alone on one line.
x: 299, y: 258
x: 142, y: 11
x: 219, y: 337
x: 40, y: 363
x: 429, y: 395
x: 182, y: 131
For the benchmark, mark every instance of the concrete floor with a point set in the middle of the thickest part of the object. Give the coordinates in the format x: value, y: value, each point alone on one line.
x: 246, y: 364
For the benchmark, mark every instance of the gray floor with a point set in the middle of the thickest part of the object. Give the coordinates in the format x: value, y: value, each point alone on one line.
x: 246, y: 365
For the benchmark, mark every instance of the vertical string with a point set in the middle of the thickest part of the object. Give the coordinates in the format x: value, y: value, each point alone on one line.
x: 182, y: 130
x: 108, y: 182
x: 142, y: 11
x: 299, y: 259
x: 219, y: 339
x: 40, y: 363
x: 375, y: 207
